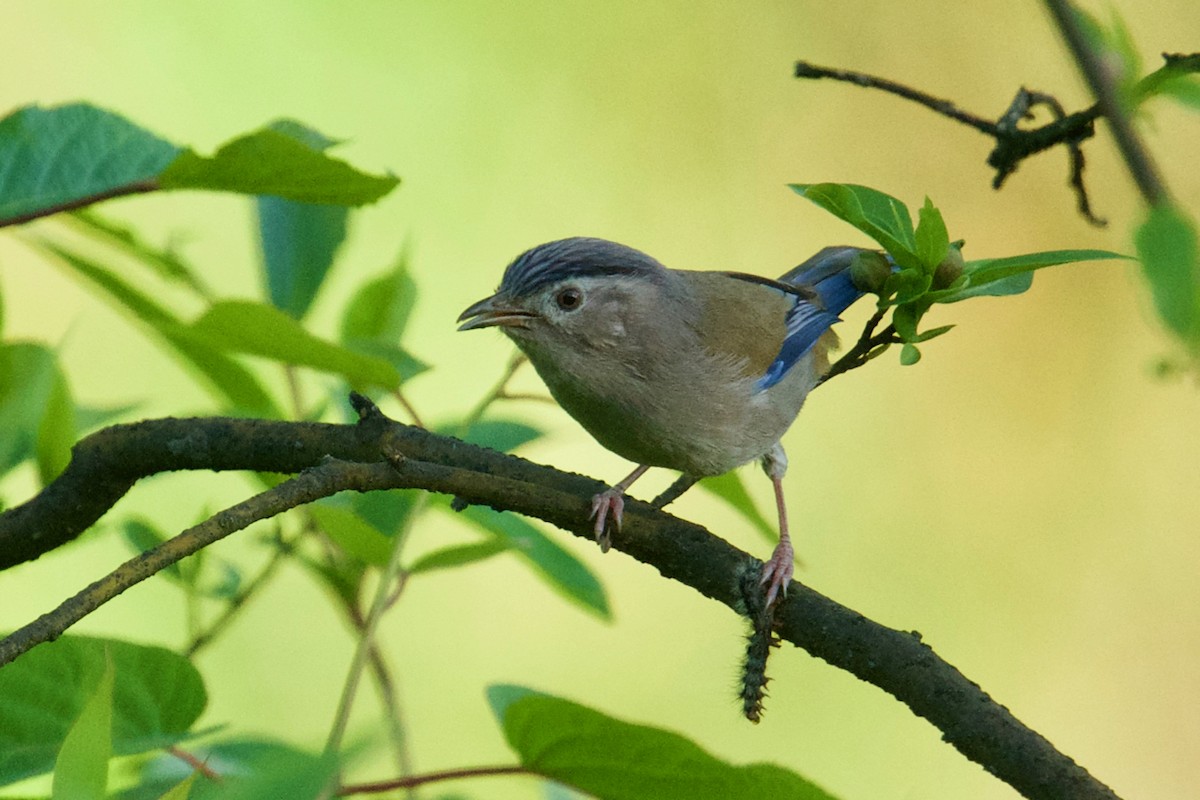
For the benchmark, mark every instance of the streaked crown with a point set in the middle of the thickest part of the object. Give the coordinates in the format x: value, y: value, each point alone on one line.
x: 577, y: 257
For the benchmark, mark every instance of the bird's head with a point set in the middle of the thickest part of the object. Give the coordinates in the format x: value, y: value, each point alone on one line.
x: 570, y: 295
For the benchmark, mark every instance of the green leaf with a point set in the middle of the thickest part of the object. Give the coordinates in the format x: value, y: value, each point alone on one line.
x: 390, y: 512
x: 81, y: 769
x: 932, y: 239
x: 51, y: 157
x: 1166, y: 244
x: 299, y: 240
x: 561, y: 740
x: 498, y: 434
x: 905, y: 318
x: 163, y: 262
x: 249, y: 768
x: 881, y: 216
x: 29, y: 375
x: 459, y: 555
x: 1012, y: 275
x: 273, y: 162
x: 181, y: 790
x: 933, y: 333
x: 157, y: 697
x: 909, y: 354
x: 227, y: 379
x: 270, y: 770
x: 243, y: 326
x: 558, y: 568
x: 57, y: 430
x: 380, y: 308
x: 730, y: 488
x: 352, y: 533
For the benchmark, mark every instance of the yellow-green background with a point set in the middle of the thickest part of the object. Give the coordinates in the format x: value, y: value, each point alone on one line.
x: 1026, y: 496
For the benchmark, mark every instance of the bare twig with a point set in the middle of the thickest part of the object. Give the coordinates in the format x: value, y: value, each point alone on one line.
x: 1013, y: 143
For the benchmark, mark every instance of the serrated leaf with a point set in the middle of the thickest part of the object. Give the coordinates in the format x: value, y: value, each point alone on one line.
x: 932, y: 239
x: 730, y: 488
x: 157, y: 697
x: 459, y: 555
x: 272, y: 162
x: 228, y: 380
x: 243, y: 326
x: 1014, y: 274
x: 1167, y: 245
x: 50, y: 157
x: 380, y: 308
x: 560, y: 739
x: 560, y: 570
x: 881, y: 216
x: 81, y: 768
x: 909, y: 354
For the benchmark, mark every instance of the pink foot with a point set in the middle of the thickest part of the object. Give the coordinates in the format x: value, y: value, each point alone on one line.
x: 610, y: 502
x: 777, y: 572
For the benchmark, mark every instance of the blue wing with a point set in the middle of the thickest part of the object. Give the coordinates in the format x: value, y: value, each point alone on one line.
x: 828, y: 291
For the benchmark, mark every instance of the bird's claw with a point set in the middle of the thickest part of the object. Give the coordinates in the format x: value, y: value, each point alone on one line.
x: 777, y: 572
x: 610, y: 502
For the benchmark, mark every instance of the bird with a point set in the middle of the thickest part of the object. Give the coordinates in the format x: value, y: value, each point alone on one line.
x: 694, y: 371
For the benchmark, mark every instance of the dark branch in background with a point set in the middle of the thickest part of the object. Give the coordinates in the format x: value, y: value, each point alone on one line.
x: 379, y: 454
x: 1013, y: 144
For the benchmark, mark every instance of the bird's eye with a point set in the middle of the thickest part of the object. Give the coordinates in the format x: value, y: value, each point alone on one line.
x: 569, y: 299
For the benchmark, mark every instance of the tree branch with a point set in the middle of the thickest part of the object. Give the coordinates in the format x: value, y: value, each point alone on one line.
x: 1013, y: 143
x: 377, y: 454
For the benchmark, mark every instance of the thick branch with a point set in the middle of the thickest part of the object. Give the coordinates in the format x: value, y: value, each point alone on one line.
x: 896, y: 661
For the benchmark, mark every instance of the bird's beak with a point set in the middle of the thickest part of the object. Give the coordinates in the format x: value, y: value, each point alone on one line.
x: 494, y: 311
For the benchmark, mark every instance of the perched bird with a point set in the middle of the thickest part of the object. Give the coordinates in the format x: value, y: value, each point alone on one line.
x: 699, y: 372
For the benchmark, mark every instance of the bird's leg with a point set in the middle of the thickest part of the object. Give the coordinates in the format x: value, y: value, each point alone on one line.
x: 777, y: 572
x: 612, y: 502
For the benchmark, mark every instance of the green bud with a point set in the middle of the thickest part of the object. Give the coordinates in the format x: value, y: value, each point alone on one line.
x: 949, y: 270
x: 869, y: 270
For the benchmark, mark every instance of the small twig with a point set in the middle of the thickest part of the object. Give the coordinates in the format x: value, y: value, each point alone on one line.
x: 940, y: 105
x: 870, y: 344
x: 314, y: 483
x: 195, y: 763
x: 408, y: 407
x: 413, y: 781
x: 239, y: 600
x: 1013, y: 143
